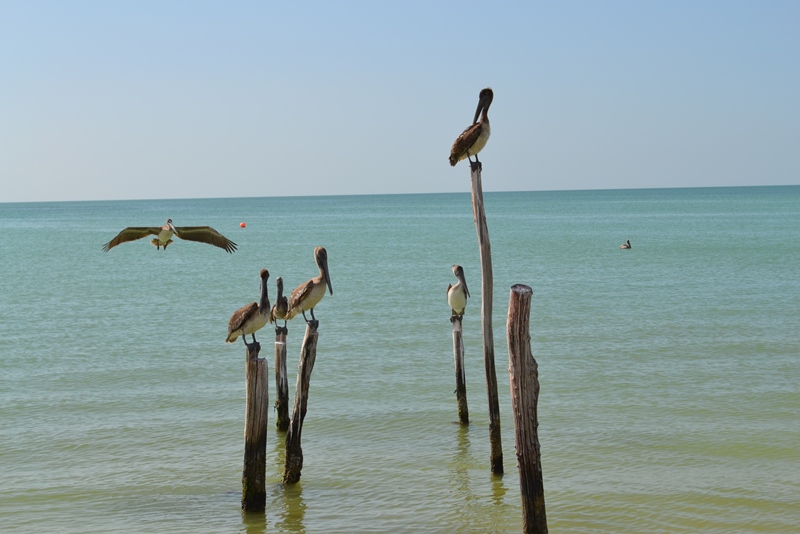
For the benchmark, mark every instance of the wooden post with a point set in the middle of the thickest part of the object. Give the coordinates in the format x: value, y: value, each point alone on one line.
x: 461, y: 381
x: 254, y: 493
x: 495, y: 442
x: 524, y: 399
x: 281, y: 380
x: 294, y: 452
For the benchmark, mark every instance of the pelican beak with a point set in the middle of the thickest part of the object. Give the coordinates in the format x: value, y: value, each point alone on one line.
x: 172, y: 227
x: 478, y: 110
x: 328, y: 277
x: 463, y: 281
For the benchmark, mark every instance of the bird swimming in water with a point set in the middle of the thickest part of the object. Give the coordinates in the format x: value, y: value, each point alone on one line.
x: 307, y: 295
x: 251, y: 318
x: 457, y: 294
x: 202, y: 234
x: 473, y: 139
x: 626, y: 244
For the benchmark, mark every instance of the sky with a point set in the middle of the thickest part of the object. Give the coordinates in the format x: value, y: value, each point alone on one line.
x: 201, y: 99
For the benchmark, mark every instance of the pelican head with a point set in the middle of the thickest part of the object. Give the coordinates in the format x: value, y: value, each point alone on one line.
x: 321, y: 257
x: 171, y: 226
x: 458, y: 271
x: 279, y: 284
x: 484, y: 101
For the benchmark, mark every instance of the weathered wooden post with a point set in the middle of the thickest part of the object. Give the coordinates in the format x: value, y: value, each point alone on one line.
x: 461, y: 380
x: 486, y: 319
x: 524, y: 399
x: 294, y: 452
x: 254, y: 494
x: 281, y: 380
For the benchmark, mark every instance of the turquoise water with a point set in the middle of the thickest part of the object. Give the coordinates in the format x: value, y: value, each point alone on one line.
x: 669, y: 372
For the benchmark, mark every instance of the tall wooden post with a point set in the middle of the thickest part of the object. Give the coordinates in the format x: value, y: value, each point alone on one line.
x: 486, y: 319
x: 254, y: 493
x: 294, y: 452
x: 524, y: 399
x: 281, y: 380
x: 461, y: 381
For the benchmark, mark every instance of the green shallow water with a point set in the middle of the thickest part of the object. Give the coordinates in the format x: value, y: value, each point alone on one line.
x: 669, y: 372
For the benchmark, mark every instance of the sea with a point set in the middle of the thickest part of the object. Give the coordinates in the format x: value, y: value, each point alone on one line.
x: 669, y: 372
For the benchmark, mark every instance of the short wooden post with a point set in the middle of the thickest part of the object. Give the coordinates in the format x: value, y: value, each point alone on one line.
x: 524, y: 399
x: 461, y: 381
x: 294, y: 452
x: 281, y: 380
x: 254, y: 494
x: 495, y: 441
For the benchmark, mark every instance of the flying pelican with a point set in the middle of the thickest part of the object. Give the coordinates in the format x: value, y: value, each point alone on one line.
x: 474, y: 138
x: 457, y: 294
x: 203, y: 234
x: 626, y: 244
x: 307, y: 295
x: 251, y: 318
x: 281, y: 306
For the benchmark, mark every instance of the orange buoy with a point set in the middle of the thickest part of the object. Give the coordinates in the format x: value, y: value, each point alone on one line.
x: 242, y: 225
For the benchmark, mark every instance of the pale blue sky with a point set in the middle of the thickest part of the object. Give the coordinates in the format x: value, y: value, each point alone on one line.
x: 183, y: 99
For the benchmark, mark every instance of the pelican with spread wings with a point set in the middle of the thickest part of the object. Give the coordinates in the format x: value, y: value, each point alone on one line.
x: 164, y: 234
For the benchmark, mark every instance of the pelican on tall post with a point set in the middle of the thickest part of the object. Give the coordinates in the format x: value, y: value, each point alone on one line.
x: 251, y: 318
x: 474, y: 138
x: 308, y: 294
x: 281, y: 305
x: 457, y: 294
x: 203, y: 234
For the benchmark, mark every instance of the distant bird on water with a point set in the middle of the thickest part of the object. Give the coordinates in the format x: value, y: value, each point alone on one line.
x: 308, y: 294
x: 203, y: 234
x: 474, y: 138
x: 626, y: 244
x: 457, y: 294
x: 251, y: 318
x: 281, y: 305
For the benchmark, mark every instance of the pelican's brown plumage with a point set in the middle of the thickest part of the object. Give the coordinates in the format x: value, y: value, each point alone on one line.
x: 457, y: 294
x: 281, y: 305
x: 203, y: 234
x: 308, y: 294
x: 473, y: 139
x: 251, y: 318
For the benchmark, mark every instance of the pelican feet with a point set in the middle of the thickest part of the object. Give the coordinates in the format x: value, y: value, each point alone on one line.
x: 255, y: 346
x: 455, y: 317
x: 475, y: 165
x: 313, y: 323
x: 281, y: 330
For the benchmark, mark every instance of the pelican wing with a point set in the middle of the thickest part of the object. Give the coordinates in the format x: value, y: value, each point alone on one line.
x: 206, y: 234
x: 464, y: 143
x: 240, y: 317
x: 298, y: 295
x: 131, y: 233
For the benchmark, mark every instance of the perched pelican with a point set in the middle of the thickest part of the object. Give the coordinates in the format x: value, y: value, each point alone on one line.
x: 308, y: 294
x: 281, y: 306
x: 474, y: 138
x: 251, y: 318
x: 457, y: 294
x: 626, y: 244
x: 204, y: 234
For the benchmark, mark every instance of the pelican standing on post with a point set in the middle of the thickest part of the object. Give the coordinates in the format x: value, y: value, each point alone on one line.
x: 474, y: 138
x: 251, y: 318
x: 281, y: 306
x: 308, y: 294
x: 203, y: 234
x: 457, y: 294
